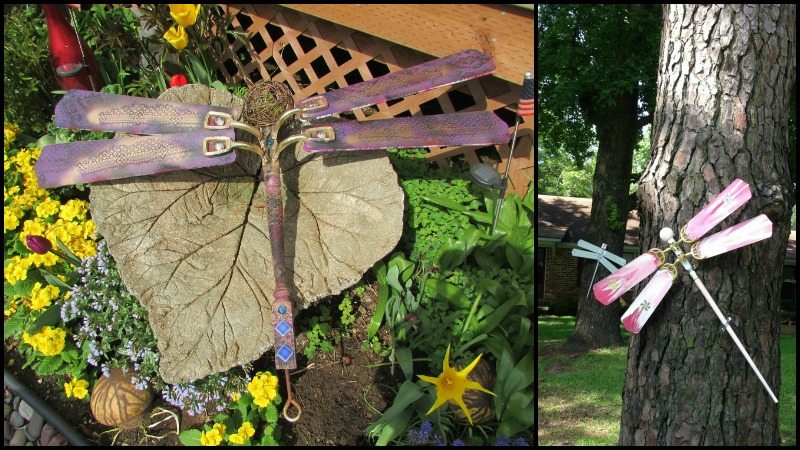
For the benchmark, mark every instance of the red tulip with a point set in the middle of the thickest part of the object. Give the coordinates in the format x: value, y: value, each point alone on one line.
x: 178, y: 80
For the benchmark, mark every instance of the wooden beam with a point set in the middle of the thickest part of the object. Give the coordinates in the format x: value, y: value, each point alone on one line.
x: 503, y: 31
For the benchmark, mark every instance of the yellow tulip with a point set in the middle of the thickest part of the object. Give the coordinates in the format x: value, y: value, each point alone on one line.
x: 185, y: 15
x: 177, y: 37
x: 451, y: 384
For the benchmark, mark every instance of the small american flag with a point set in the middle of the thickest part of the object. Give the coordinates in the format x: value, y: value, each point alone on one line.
x: 525, y: 108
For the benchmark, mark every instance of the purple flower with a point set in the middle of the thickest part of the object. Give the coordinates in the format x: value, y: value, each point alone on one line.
x: 38, y: 244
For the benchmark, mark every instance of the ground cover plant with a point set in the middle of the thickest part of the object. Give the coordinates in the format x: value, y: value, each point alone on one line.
x: 450, y: 292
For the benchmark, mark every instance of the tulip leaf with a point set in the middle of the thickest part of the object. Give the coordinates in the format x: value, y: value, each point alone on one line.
x: 193, y: 246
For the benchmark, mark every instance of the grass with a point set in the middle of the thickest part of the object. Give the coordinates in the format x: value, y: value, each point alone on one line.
x: 580, y: 396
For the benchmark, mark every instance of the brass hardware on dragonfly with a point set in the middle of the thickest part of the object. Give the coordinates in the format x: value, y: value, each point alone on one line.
x: 216, y: 120
x: 221, y: 145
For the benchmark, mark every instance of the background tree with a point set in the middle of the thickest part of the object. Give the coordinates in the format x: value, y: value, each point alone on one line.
x: 726, y: 75
x: 597, y: 66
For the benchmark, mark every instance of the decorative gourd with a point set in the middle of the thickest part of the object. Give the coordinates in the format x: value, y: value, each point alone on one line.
x: 478, y: 402
x: 117, y: 403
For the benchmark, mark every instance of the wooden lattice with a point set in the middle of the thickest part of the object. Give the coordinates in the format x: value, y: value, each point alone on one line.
x: 313, y: 56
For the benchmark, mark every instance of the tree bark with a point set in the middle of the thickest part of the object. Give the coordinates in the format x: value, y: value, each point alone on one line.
x: 725, y: 78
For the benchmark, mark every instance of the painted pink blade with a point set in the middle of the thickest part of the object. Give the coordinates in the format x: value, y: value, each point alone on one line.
x: 647, y: 301
x: 722, y: 206
x: 98, y: 111
x: 748, y: 232
x: 613, y: 286
x: 423, y: 77
x: 91, y: 161
x: 470, y: 128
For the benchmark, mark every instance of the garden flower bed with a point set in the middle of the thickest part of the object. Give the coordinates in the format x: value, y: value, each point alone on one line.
x: 376, y: 360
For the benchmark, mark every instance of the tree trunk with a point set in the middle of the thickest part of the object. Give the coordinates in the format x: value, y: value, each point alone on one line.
x: 617, y: 129
x: 725, y: 77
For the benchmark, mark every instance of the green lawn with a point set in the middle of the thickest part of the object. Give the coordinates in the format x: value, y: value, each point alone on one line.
x: 580, y: 397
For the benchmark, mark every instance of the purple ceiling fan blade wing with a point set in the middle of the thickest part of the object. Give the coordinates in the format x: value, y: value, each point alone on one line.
x: 91, y: 161
x: 613, y: 286
x: 423, y: 77
x: 723, y: 205
x: 99, y: 111
x: 470, y: 128
x: 647, y: 301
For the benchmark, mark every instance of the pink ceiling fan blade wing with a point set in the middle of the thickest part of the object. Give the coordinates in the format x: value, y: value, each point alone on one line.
x: 723, y: 205
x: 647, y: 301
x: 615, y: 285
x: 748, y: 232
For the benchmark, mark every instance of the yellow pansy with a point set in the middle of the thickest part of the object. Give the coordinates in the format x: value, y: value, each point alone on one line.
x: 42, y: 297
x: 177, y: 37
x: 16, y: 269
x: 185, y: 15
x: 247, y: 430
x: 76, y: 388
x: 451, y: 384
x: 263, y: 388
x: 47, y: 208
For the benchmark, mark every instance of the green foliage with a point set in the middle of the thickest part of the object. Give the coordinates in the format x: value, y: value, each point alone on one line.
x: 319, y: 334
x: 427, y: 227
x: 28, y: 79
x: 476, y: 294
x: 588, y: 56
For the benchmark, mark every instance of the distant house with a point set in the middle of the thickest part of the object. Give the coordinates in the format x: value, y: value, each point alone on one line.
x: 564, y: 220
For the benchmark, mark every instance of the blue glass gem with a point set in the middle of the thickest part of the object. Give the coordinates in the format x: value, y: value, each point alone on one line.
x: 283, y: 328
x: 285, y: 353
x: 281, y: 309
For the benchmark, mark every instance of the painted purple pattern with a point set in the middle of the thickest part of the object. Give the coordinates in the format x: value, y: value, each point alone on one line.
x: 615, y: 285
x: 469, y: 128
x: 98, y: 111
x: 647, y: 301
x: 723, y: 205
x: 750, y: 231
x: 111, y: 159
x: 423, y: 77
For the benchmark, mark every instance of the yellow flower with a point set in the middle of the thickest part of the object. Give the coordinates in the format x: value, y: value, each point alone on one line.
x: 76, y: 388
x: 74, y: 209
x: 177, y: 37
x: 49, y: 341
x: 16, y: 269
x: 236, y: 439
x: 264, y: 388
x: 8, y: 193
x: 185, y: 15
x: 42, y: 297
x: 48, y: 259
x: 47, y: 208
x: 247, y: 430
x: 213, y: 436
x: 11, y: 216
x: 10, y: 132
x: 235, y: 396
x: 451, y: 384
x: 210, y: 438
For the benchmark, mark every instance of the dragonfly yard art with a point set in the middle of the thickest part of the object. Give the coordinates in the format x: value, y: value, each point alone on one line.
x: 745, y: 233
x: 173, y: 136
x: 601, y: 255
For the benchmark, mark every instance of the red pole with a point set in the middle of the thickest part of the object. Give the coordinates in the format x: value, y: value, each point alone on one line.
x: 70, y: 57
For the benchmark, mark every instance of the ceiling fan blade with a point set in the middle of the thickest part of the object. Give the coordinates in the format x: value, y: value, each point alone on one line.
x: 723, y: 205
x: 615, y: 285
x: 647, y: 301
x: 748, y: 232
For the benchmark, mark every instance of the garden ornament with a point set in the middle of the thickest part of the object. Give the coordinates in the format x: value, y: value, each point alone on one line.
x: 483, y: 174
x: 745, y: 233
x: 71, y: 58
x: 183, y: 136
x: 601, y: 255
